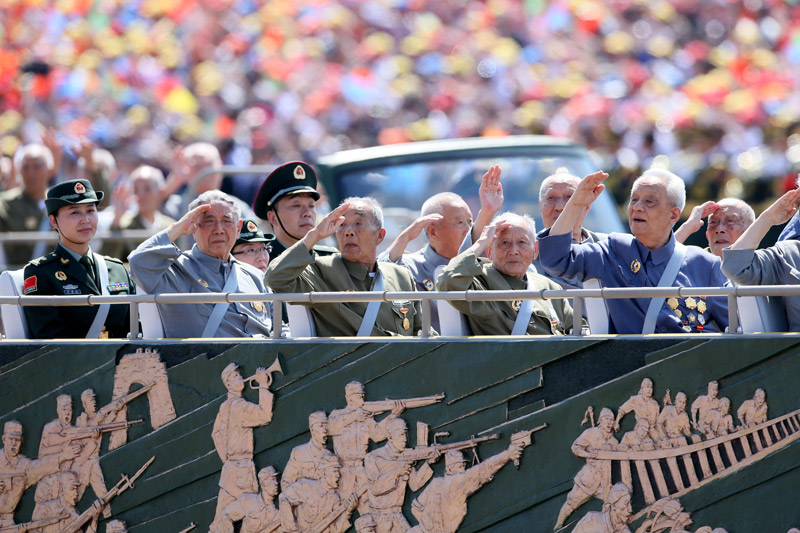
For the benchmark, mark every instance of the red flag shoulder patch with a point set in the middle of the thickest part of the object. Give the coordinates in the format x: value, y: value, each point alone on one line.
x: 30, y: 285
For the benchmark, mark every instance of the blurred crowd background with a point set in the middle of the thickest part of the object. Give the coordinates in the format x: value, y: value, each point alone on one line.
x: 708, y: 88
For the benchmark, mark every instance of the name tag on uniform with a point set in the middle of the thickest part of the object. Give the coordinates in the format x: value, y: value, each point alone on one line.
x: 71, y: 289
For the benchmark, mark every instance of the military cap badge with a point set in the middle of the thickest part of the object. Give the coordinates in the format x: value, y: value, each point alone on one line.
x: 299, y: 173
x: 79, y: 188
x: 251, y: 226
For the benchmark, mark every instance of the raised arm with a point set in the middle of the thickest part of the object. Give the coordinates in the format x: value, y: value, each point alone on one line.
x: 491, y: 195
x: 779, y: 212
x: 396, y: 249
x: 587, y: 192
x: 695, y: 221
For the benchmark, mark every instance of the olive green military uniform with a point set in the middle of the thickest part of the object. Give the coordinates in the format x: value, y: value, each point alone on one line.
x: 58, y: 273
x: 297, y: 270
x: 19, y: 212
x: 466, y: 271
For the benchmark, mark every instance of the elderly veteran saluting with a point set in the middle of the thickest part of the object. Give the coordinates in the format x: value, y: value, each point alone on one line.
x: 358, y: 225
x: 509, y: 242
x: 287, y: 200
x: 776, y: 265
x: 159, y: 266
x: 650, y: 257
x: 73, y: 269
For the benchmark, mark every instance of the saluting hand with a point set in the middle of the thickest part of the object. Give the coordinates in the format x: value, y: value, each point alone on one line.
x: 491, y: 190
x: 326, y: 227
x: 188, y: 223
x: 589, y: 189
x: 783, y: 209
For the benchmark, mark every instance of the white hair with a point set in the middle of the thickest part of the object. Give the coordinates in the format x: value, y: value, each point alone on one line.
x: 148, y: 173
x: 35, y: 150
x: 437, y: 203
x: 676, y: 188
x: 373, y: 208
x: 205, y: 150
x: 515, y: 219
x: 742, y: 207
x: 215, y: 195
x: 561, y: 176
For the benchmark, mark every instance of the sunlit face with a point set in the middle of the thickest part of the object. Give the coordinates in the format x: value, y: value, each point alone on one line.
x: 64, y: 411
x: 76, y: 224
x: 447, y: 235
x: 147, y: 195
x: 680, y: 404
x: 269, y: 486
x: 512, y: 250
x: 297, y: 212
x: 253, y: 253
x: 725, y: 226
x: 89, y: 403
x: 650, y: 215
x: 69, y: 493
x: 35, y: 173
x: 398, y: 439
x: 647, y: 389
x: 355, y: 399
x: 359, y: 236
x: 235, y: 382
x: 621, y: 510
x: 12, y: 444
x: 319, y: 433
x: 217, y: 230
x: 332, y: 477
x: 606, y: 423
x: 555, y: 196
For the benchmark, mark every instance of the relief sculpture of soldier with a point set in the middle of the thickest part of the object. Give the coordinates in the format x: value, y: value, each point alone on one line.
x: 18, y: 472
x: 442, y: 506
x: 352, y: 428
x: 256, y: 511
x: 643, y: 405
x: 703, y: 404
x: 640, y: 437
x: 753, y: 412
x: 673, y: 423
x: 594, y: 478
x: 313, y: 505
x: 308, y: 460
x: 388, y: 473
x: 613, y: 518
x: 63, y: 505
x: 719, y: 422
x: 233, y: 434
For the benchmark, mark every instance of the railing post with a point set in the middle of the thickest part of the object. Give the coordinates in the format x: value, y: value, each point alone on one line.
x: 277, y: 319
x: 577, y: 315
x: 425, y: 305
x: 134, y: 320
x: 733, y: 313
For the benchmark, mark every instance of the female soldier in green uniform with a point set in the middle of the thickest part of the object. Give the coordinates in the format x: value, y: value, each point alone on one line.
x: 73, y: 269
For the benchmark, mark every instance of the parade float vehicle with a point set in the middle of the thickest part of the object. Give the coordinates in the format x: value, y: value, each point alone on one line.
x: 510, y: 433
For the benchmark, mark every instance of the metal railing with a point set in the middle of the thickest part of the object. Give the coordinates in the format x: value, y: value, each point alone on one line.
x: 576, y: 295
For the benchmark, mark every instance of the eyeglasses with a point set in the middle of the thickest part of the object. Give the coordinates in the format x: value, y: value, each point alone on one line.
x: 251, y: 252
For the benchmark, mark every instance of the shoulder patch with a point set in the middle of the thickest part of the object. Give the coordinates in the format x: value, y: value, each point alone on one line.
x: 44, y: 259
x: 29, y: 285
x: 113, y: 259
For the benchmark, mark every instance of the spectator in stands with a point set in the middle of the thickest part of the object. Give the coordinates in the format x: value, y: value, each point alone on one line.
x: 23, y: 208
x: 776, y: 265
x: 159, y: 266
x: 649, y: 257
x: 358, y: 225
x: 287, y: 200
x: 147, y: 183
x: 447, y: 221
x: 73, y: 269
x: 510, y: 242
x: 253, y: 246
x: 554, y: 193
x: 727, y: 220
x: 188, y: 164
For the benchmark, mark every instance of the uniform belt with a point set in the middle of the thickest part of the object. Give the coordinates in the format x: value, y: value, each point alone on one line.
x: 241, y: 457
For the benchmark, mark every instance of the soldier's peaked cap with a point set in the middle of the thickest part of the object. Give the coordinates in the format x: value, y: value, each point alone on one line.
x: 292, y: 178
x: 252, y: 233
x: 229, y: 371
x: 71, y: 192
x: 12, y: 427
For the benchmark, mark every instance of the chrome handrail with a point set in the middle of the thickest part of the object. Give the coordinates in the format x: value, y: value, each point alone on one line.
x: 577, y: 295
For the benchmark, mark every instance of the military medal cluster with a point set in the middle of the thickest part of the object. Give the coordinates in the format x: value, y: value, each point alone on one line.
x: 694, y: 315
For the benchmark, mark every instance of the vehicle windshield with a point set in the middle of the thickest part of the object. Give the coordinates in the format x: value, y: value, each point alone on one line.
x: 403, y: 188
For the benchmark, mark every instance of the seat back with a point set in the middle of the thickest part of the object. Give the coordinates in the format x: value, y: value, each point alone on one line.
x: 150, y: 319
x: 596, y: 310
x: 452, y: 322
x: 762, y: 313
x: 301, y: 323
x: 14, y: 323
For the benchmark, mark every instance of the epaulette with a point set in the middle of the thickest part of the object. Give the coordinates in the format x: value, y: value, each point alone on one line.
x: 113, y: 259
x: 39, y: 261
